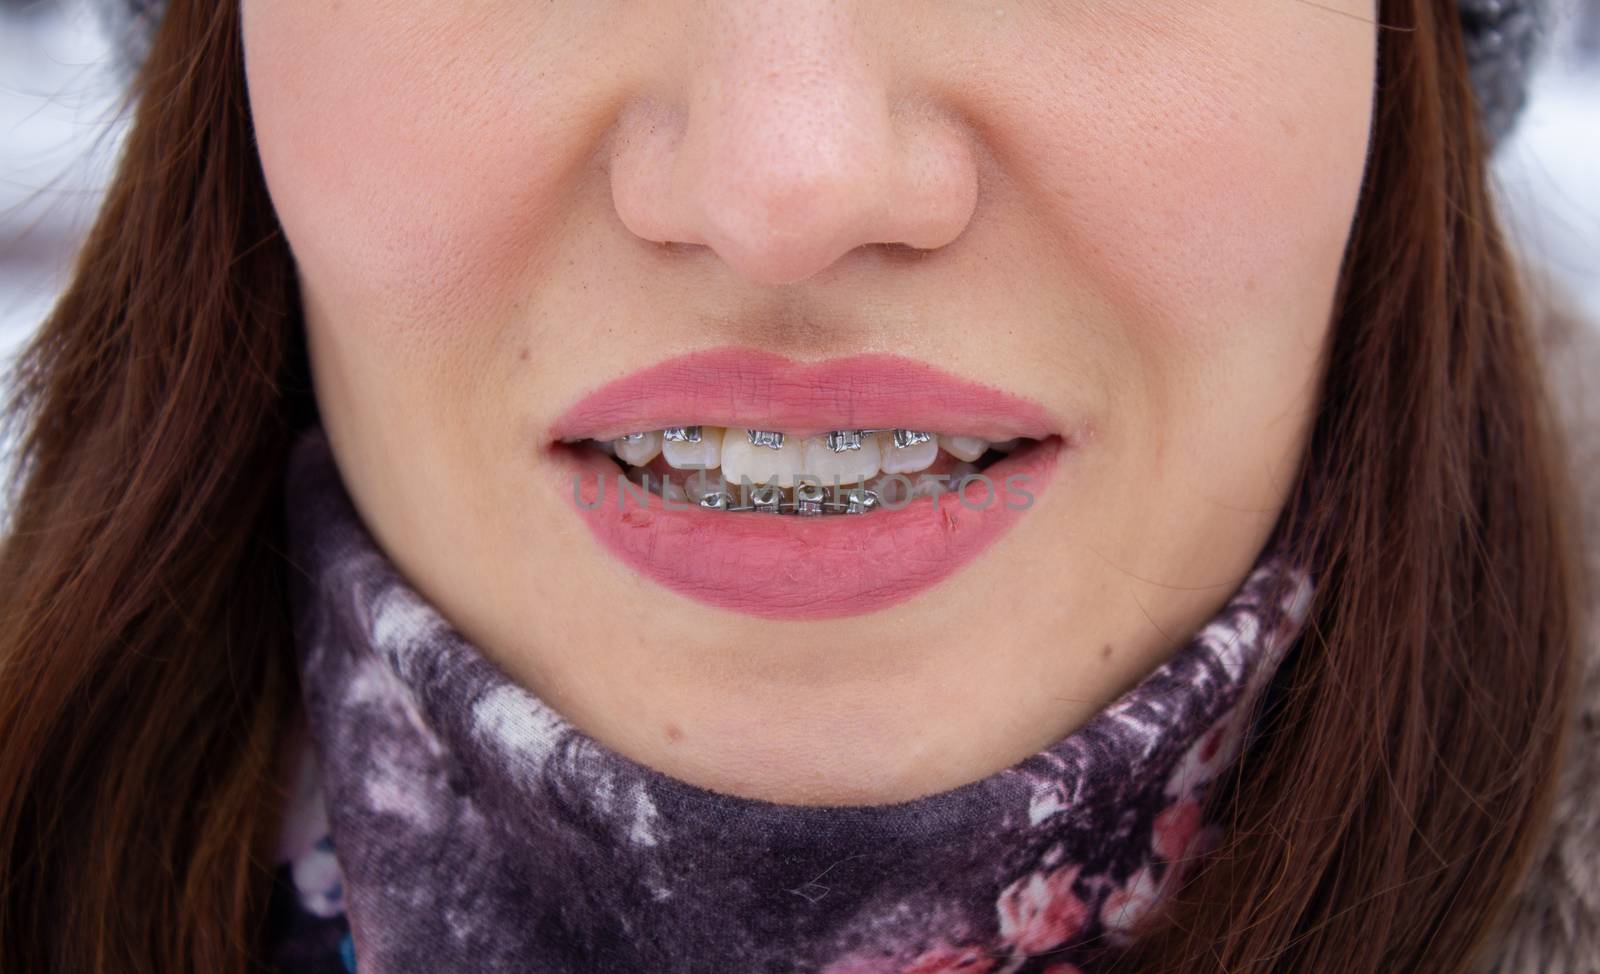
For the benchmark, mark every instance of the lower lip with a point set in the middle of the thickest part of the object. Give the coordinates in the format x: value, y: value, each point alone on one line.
x: 789, y: 567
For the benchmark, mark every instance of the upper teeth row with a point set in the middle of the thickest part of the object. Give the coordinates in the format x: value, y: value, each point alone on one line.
x: 837, y: 441
x: 764, y: 454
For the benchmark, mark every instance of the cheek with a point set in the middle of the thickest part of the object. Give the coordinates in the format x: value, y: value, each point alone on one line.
x: 1198, y: 167
x: 412, y: 187
x: 1202, y: 161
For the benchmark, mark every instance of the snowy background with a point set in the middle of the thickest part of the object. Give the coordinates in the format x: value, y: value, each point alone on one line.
x: 59, y: 133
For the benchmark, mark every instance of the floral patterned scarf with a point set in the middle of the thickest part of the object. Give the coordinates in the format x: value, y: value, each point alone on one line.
x: 447, y: 820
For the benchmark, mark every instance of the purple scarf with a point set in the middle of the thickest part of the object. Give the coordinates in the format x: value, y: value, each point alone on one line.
x: 469, y: 827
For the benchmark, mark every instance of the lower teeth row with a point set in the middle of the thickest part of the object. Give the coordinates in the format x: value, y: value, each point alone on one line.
x: 807, y: 499
x: 806, y: 502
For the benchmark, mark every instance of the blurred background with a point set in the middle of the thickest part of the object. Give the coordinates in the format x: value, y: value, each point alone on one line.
x: 60, y: 130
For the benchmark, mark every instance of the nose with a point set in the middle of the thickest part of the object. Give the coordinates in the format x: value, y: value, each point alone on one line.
x: 782, y: 148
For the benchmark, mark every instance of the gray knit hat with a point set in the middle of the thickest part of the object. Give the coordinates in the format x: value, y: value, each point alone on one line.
x: 1502, y: 39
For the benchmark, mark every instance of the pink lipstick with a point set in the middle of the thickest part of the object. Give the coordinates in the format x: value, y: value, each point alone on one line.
x: 786, y: 567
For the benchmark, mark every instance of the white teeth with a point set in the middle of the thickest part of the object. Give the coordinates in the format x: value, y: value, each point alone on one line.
x: 931, y: 486
x: 765, y: 457
x: 674, y: 492
x: 891, y: 491
x: 700, y: 483
x: 967, y: 448
x: 741, y: 458
x: 638, y: 449
x: 909, y: 459
x: 695, y: 456
x: 849, y: 466
x: 900, y: 489
x: 953, y: 477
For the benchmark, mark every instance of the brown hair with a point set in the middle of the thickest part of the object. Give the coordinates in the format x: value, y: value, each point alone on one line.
x: 1385, y: 818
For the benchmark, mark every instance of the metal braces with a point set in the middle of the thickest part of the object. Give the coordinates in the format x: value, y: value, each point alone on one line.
x: 905, y: 438
x: 810, y: 500
x: 840, y: 441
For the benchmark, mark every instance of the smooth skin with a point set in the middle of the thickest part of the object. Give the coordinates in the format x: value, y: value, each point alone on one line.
x: 1133, y: 213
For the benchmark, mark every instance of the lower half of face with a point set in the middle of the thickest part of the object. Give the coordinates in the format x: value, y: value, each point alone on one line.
x: 968, y: 351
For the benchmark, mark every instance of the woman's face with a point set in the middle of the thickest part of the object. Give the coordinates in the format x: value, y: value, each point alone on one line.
x: 1113, y: 228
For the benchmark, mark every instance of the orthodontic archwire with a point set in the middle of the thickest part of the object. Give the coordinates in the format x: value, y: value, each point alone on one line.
x: 810, y: 499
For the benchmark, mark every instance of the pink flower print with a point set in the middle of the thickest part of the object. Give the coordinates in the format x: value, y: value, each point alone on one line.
x: 1124, y: 907
x: 1207, y: 839
x: 948, y: 959
x: 1175, y: 827
x: 875, y: 964
x: 1178, y: 837
x: 1208, y: 756
x: 1040, y: 911
x: 942, y: 958
x: 1202, y: 842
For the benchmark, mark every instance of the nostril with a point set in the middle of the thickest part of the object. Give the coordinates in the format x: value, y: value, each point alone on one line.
x: 676, y: 247
x: 901, y: 252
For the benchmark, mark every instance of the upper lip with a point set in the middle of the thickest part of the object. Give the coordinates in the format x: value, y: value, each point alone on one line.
x: 743, y: 387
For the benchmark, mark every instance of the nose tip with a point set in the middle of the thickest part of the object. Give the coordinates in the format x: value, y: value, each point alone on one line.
x: 787, y: 176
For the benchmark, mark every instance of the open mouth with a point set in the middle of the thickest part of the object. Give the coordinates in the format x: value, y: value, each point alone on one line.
x: 886, y: 475
x: 849, y: 471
